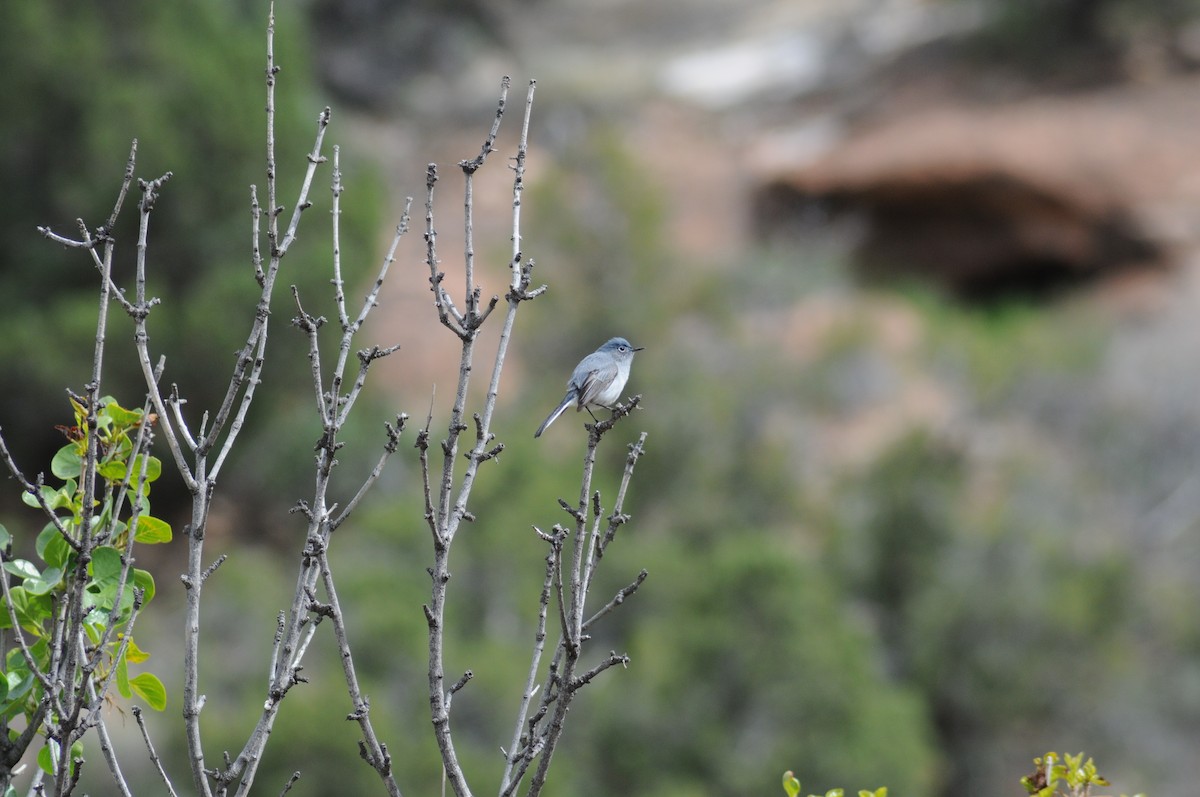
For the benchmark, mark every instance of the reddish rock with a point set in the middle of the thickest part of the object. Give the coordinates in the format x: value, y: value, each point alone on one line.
x: 1030, y: 194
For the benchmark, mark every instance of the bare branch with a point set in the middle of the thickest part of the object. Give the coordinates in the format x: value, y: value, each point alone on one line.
x: 130, y: 164
x: 290, y: 783
x: 612, y: 660
x: 539, y: 645
x: 106, y: 747
x: 255, y: 228
x: 315, y: 158
x: 310, y: 326
x: 370, y: 302
x: 239, y: 419
x: 617, y: 600
x: 447, y: 313
x: 151, y: 376
x: 48, y: 233
x: 373, y: 752
x: 393, y: 442
x: 162, y: 773
x: 471, y: 166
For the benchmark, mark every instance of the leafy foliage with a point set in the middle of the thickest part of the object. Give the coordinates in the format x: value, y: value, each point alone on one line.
x: 791, y: 785
x: 1064, y: 775
x: 1054, y: 776
x: 83, y: 569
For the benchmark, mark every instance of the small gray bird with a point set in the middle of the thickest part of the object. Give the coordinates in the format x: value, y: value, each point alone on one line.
x: 597, y: 381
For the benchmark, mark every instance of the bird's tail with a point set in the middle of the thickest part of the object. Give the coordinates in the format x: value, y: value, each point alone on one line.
x: 566, y: 402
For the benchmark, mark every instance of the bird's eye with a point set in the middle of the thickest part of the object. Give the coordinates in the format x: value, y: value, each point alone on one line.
x: 622, y: 348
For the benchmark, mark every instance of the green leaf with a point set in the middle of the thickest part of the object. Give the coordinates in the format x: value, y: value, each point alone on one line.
x: 121, y: 416
x: 106, y: 564
x: 31, y: 611
x: 58, y: 551
x: 45, y: 582
x: 790, y: 784
x: 18, y: 683
x: 21, y: 567
x: 152, y: 530
x: 45, y: 758
x: 113, y: 470
x: 51, y: 546
x: 67, y: 462
x: 48, y: 532
x: 145, y: 582
x: 55, y: 499
x: 123, y: 678
x: 102, y: 590
x: 5, y: 537
x: 64, y: 497
x: 153, y: 466
x: 149, y: 688
x: 120, y: 449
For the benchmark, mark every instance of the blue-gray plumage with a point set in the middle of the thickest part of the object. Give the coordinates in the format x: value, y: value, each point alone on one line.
x: 597, y: 381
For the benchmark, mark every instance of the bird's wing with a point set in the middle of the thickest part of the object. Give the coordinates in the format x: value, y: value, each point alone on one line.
x: 595, y: 379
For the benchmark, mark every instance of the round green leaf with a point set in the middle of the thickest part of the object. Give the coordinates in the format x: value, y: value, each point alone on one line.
x: 149, y: 688
x: 153, y: 466
x: 106, y: 564
x: 67, y: 462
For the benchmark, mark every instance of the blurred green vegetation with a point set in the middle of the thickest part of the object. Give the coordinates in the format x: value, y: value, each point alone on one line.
x: 184, y: 78
x: 927, y: 615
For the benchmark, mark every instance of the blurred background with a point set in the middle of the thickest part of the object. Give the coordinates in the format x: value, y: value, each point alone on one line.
x: 917, y: 281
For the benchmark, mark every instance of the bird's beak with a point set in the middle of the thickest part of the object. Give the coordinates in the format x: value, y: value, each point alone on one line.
x: 638, y: 348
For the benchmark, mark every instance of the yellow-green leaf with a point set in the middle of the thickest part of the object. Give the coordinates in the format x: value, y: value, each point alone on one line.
x: 149, y: 688
x: 135, y: 654
x: 151, y: 530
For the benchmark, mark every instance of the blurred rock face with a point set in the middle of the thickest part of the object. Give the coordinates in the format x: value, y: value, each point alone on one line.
x: 1037, y: 193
